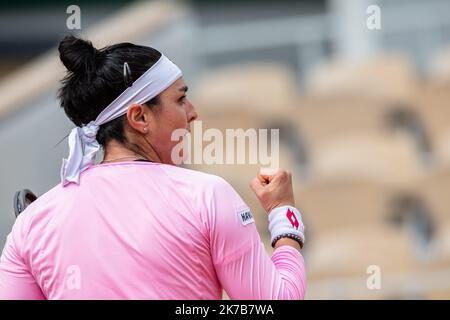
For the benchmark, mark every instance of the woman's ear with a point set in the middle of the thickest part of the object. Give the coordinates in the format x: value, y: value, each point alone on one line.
x: 139, y: 117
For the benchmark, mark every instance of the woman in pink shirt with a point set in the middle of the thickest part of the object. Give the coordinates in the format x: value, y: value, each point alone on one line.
x: 136, y: 226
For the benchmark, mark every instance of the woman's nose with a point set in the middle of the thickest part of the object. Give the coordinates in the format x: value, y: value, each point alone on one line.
x: 192, y: 115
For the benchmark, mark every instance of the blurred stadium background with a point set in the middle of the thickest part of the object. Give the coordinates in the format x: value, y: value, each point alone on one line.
x: 364, y: 117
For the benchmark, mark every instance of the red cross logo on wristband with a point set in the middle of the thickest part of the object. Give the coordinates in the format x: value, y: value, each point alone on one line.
x: 292, y: 218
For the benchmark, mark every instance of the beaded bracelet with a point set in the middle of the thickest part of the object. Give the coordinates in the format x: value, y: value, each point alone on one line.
x: 290, y: 236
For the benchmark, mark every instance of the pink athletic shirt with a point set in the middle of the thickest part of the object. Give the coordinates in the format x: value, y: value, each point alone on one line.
x: 143, y: 230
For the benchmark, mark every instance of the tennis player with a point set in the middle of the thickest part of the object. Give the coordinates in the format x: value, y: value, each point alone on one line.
x: 137, y: 226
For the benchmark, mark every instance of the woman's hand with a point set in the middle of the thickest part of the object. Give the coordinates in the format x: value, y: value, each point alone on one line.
x: 273, y: 189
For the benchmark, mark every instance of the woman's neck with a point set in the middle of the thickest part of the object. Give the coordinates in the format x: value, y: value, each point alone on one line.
x: 116, y: 152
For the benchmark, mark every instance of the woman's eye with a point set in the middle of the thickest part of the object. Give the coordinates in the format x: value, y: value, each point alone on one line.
x: 182, y: 99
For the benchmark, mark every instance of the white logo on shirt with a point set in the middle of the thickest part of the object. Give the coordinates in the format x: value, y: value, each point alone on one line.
x: 245, y: 215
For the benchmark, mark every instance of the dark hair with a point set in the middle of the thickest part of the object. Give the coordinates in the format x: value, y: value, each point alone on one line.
x: 96, y: 77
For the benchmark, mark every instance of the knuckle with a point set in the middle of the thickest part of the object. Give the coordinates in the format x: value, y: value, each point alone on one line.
x: 283, y: 173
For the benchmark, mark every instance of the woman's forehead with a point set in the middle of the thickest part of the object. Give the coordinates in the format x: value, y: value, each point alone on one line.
x: 179, y: 86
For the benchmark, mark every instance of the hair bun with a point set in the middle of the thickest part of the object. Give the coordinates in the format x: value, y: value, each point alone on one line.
x: 77, y: 55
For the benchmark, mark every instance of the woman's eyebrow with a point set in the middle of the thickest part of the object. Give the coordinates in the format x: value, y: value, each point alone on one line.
x: 184, y: 89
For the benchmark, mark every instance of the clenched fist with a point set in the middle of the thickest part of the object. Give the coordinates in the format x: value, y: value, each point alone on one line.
x: 273, y: 189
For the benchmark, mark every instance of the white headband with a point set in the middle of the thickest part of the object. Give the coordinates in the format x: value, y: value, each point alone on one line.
x: 83, y: 145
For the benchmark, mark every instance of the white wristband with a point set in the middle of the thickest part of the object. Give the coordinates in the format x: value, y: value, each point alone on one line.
x: 286, y: 221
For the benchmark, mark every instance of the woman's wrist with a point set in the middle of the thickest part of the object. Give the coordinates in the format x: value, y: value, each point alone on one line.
x: 286, y: 222
x: 281, y: 204
x: 287, y: 242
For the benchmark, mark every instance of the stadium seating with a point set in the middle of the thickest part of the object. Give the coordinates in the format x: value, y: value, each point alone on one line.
x: 333, y: 204
x: 381, y: 157
x: 390, y: 77
x: 367, y: 144
x: 350, y: 251
x: 432, y: 104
